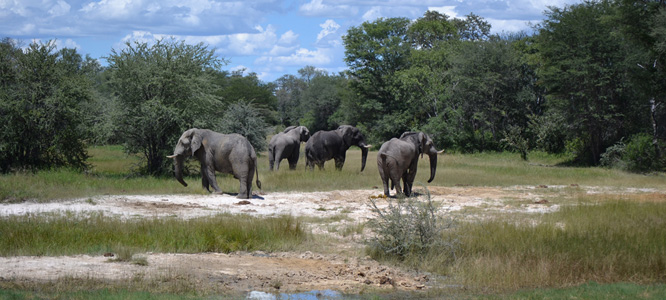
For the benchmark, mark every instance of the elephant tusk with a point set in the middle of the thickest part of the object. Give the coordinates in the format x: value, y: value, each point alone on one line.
x: 368, y: 146
x: 171, y: 156
x: 440, y: 152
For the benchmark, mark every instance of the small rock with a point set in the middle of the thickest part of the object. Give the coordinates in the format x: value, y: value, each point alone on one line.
x: 244, y: 202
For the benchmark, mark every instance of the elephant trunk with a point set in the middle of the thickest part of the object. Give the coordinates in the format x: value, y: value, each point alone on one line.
x: 433, y: 166
x: 178, y: 162
x: 364, y: 156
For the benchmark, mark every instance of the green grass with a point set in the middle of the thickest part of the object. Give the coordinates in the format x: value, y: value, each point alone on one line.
x: 67, y: 234
x: 591, y: 291
x: 111, y: 173
x: 605, y: 241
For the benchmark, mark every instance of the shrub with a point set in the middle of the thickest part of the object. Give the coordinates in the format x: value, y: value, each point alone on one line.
x: 409, y: 226
x: 641, y: 155
x: 41, y: 117
x: 243, y: 118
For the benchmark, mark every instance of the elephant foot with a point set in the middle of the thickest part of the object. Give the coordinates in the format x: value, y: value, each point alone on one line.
x: 242, y: 196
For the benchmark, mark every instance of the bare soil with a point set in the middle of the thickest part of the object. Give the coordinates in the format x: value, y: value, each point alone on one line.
x: 343, y: 268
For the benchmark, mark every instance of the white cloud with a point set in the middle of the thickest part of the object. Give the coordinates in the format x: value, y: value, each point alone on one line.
x: 447, y: 10
x: 318, y: 8
x: 329, y: 27
x: 288, y: 38
x: 300, y: 57
x: 61, y: 8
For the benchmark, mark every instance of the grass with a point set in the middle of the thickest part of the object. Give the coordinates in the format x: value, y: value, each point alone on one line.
x: 111, y: 174
x: 600, y: 240
x: 67, y: 234
x: 615, y: 240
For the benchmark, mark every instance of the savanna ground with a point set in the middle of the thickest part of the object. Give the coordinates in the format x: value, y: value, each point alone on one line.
x: 333, y: 208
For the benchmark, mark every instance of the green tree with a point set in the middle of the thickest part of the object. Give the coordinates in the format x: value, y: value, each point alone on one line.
x: 320, y: 101
x: 288, y: 93
x: 583, y: 66
x: 243, y: 118
x: 374, y: 52
x: 236, y: 87
x: 163, y: 89
x: 41, y: 118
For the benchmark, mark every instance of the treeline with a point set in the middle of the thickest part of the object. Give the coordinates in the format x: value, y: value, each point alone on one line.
x: 589, y: 83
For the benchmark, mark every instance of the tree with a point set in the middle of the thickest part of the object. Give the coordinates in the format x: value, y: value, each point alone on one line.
x: 41, y: 95
x: 374, y: 52
x: 583, y: 67
x: 237, y: 87
x: 243, y: 118
x: 163, y: 89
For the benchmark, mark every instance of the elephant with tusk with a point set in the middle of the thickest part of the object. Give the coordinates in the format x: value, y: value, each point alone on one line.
x: 398, y: 159
x: 226, y: 153
x: 326, y: 145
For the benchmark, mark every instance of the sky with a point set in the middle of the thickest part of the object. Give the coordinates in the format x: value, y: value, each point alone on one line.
x: 268, y: 37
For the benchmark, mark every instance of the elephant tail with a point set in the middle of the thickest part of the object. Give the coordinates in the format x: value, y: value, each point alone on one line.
x: 256, y: 170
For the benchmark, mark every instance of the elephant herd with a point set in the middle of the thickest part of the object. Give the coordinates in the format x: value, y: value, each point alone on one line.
x: 397, y: 159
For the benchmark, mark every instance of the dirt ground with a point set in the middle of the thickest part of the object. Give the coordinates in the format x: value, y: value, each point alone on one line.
x: 336, y: 269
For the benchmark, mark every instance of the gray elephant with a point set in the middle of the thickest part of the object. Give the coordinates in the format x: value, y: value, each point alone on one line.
x: 326, y: 145
x: 399, y: 158
x: 226, y: 153
x: 287, y: 144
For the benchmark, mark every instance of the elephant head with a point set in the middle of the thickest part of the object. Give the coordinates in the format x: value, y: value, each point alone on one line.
x: 425, y: 145
x: 304, y: 132
x: 352, y: 136
x: 188, y: 143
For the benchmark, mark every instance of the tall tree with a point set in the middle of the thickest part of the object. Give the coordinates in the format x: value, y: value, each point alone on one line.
x: 163, y: 89
x: 583, y: 67
x: 41, y: 117
x: 374, y: 52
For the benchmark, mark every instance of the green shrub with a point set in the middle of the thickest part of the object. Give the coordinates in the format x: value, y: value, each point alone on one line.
x: 640, y: 154
x: 409, y: 226
x: 243, y: 118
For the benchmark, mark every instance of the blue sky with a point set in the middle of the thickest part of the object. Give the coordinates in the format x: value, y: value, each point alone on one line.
x: 268, y: 37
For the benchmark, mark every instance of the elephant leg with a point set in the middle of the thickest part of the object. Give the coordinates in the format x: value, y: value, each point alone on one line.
x: 384, y: 173
x: 271, y: 159
x: 210, y: 176
x: 339, y: 162
x: 408, y: 187
x: 293, y: 159
x: 278, y: 158
x: 245, y: 175
x: 321, y: 166
x: 309, y: 165
x: 204, y: 179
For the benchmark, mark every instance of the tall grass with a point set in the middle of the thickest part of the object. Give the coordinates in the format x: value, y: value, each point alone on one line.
x: 68, y: 233
x: 111, y: 173
x: 613, y: 241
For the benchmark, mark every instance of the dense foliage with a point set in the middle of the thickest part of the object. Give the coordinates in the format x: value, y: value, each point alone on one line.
x: 588, y: 82
x: 42, y: 92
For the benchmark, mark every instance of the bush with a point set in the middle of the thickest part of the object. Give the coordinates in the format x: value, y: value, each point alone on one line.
x: 409, y: 226
x: 641, y: 156
x: 41, y: 117
x: 243, y: 118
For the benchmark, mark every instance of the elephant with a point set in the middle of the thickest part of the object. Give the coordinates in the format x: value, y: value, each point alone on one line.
x: 226, y: 153
x: 399, y: 158
x: 287, y: 144
x: 333, y: 144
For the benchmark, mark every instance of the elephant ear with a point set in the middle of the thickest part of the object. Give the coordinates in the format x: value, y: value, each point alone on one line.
x: 347, y: 135
x: 423, y: 138
x: 195, y: 141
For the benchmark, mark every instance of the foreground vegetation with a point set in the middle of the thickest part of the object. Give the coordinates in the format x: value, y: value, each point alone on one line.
x: 616, y: 240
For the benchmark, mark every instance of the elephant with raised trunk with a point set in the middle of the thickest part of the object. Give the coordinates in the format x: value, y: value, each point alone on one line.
x: 287, y: 144
x: 326, y: 145
x: 398, y: 159
x: 226, y: 153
